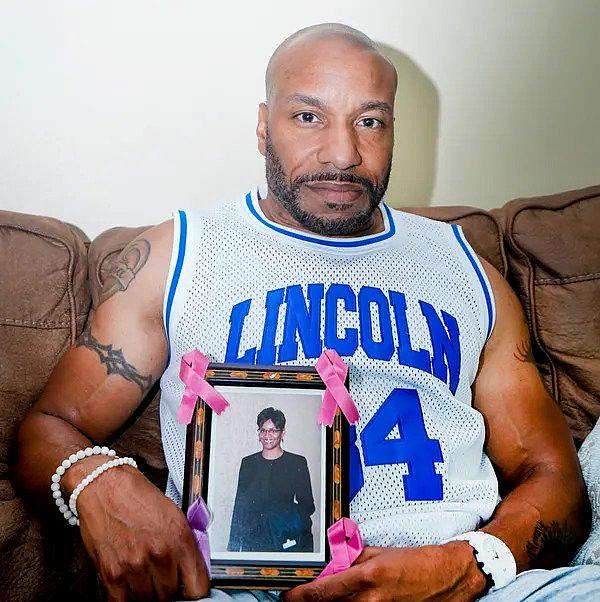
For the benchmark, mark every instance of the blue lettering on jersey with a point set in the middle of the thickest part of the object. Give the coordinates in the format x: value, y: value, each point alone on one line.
x: 302, y: 317
x: 414, y: 448
x: 445, y: 339
x: 382, y: 346
x: 407, y: 356
x: 273, y: 302
x: 347, y: 344
x: 236, y: 323
x: 309, y: 311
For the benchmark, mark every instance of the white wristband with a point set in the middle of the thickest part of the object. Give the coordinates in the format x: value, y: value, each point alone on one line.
x: 87, y: 480
x: 65, y: 465
x: 495, y: 556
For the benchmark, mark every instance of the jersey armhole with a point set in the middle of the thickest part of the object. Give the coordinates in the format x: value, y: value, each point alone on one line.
x: 180, y: 235
x: 481, y: 276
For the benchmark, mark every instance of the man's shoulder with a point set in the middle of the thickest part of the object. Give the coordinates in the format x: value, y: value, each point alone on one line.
x: 214, y: 210
x: 416, y: 216
x: 136, y: 280
x: 159, y: 242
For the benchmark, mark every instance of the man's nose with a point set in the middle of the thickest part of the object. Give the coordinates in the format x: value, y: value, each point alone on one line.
x: 339, y: 147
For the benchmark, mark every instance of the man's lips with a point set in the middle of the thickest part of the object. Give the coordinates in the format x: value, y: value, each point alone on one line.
x: 340, y: 192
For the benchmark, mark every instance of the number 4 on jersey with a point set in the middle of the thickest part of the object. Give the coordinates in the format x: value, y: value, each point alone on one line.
x: 414, y: 448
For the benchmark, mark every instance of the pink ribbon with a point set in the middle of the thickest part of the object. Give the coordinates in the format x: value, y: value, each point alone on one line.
x: 191, y: 372
x: 198, y: 517
x: 346, y: 545
x: 333, y: 371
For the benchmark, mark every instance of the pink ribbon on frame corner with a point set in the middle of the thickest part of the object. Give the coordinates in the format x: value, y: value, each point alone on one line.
x: 345, y: 544
x: 198, y: 516
x: 333, y: 371
x: 192, y: 371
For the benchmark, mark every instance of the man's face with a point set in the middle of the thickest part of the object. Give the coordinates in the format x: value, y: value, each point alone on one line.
x: 327, y: 135
x: 269, y: 435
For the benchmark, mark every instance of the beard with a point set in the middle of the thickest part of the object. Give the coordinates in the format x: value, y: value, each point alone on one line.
x: 287, y: 192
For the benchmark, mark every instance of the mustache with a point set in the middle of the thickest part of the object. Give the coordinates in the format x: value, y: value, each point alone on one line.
x: 333, y: 176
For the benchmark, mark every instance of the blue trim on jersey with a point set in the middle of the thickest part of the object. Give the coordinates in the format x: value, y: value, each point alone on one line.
x: 176, y: 274
x: 475, y: 264
x: 319, y: 241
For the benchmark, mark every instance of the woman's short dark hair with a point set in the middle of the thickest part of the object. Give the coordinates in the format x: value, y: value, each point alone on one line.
x: 276, y: 416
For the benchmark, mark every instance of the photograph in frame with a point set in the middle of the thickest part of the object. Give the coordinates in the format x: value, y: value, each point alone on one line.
x: 272, y: 477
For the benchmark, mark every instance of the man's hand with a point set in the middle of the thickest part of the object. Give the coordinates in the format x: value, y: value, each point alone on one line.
x: 446, y: 572
x: 140, y: 541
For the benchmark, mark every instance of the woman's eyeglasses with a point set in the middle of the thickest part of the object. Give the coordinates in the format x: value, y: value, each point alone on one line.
x: 263, y: 432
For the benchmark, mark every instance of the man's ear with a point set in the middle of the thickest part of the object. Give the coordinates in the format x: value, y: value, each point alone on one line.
x: 261, y: 128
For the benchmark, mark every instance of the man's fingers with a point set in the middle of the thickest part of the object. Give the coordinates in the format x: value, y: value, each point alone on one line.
x: 141, y: 587
x: 165, y: 579
x: 333, y: 587
x: 115, y: 585
x: 117, y: 593
x: 367, y: 553
x: 192, y: 572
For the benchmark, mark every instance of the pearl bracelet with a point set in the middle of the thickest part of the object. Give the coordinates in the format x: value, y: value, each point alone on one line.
x: 93, y: 475
x: 65, y: 465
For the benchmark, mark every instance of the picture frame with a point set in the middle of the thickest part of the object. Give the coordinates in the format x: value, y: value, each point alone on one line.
x: 258, y: 539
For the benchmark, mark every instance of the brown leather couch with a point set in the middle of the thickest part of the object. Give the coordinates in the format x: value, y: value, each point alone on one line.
x: 547, y: 247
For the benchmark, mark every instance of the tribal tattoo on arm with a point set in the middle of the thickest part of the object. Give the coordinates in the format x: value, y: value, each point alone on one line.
x: 114, y: 360
x: 131, y: 260
x: 552, y: 545
x: 524, y: 352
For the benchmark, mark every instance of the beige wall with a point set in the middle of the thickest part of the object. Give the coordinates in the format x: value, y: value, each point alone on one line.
x: 116, y: 112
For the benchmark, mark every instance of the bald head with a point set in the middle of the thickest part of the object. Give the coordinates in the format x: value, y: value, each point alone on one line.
x: 327, y: 130
x: 317, y: 37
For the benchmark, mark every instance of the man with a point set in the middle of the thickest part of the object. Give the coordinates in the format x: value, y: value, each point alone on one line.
x: 274, y: 501
x: 452, y: 409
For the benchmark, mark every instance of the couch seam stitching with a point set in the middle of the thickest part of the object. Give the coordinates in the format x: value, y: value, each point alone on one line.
x: 34, y: 323
x: 580, y: 278
x: 71, y: 264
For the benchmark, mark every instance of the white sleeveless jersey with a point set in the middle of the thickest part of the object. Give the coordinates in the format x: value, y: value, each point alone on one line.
x: 408, y: 309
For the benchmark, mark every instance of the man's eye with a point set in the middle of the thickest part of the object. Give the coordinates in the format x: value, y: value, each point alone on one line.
x: 307, y: 117
x: 371, y: 123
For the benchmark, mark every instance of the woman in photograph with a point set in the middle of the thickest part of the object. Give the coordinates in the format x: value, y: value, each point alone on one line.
x: 274, y: 500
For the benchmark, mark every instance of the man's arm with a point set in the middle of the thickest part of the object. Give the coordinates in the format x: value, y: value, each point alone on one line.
x: 139, y: 540
x: 545, y: 512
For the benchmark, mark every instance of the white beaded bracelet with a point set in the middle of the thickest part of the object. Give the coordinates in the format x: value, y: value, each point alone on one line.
x: 93, y: 475
x: 65, y: 465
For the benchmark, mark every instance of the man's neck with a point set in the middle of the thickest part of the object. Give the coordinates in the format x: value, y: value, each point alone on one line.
x: 275, y: 212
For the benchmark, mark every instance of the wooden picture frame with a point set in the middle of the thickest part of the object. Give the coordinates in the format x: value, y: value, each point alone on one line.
x: 217, y: 443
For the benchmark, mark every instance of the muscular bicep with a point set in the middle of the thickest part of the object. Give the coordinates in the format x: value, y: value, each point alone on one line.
x: 525, y: 426
x: 102, y: 379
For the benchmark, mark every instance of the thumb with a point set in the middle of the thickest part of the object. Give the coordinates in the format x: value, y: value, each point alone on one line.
x: 368, y: 553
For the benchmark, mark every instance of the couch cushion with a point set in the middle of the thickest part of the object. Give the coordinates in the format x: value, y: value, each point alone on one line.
x: 44, y: 301
x: 553, y: 247
x: 482, y: 230
x: 140, y: 438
